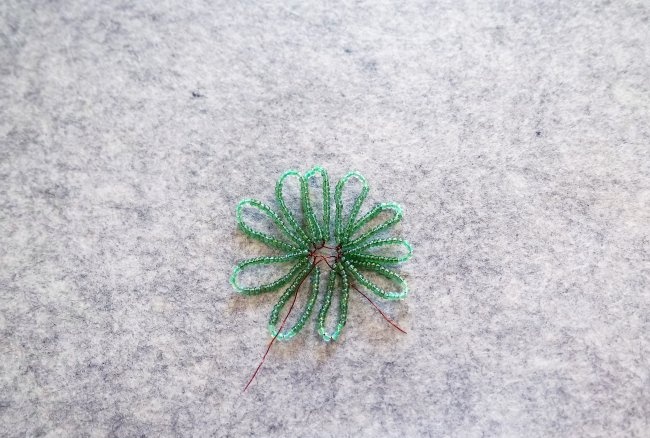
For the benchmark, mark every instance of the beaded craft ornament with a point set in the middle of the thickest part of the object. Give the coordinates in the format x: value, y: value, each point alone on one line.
x: 305, y: 244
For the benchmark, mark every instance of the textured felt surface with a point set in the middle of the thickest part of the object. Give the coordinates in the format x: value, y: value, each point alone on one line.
x: 514, y: 134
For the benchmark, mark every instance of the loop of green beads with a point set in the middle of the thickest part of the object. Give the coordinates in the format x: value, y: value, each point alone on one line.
x: 327, y: 301
x: 299, y: 243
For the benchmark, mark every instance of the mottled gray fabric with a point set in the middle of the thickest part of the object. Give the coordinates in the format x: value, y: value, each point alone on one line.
x: 514, y: 134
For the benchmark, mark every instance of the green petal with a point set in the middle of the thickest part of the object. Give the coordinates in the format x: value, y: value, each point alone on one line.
x: 342, y: 225
x: 276, y: 284
x: 306, y: 237
x: 359, y: 252
x: 353, y: 269
x: 293, y: 289
x: 324, y: 225
x: 376, y: 211
x: 261, y: 236
x: 344, y: 293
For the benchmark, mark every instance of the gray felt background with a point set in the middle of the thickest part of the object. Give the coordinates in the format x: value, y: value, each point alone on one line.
x: 515, y: 135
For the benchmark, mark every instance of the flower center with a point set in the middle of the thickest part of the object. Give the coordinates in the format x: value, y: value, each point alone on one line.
x: 329, y: 253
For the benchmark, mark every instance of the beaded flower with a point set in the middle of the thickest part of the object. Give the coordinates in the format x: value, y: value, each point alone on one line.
x: 351, y: 258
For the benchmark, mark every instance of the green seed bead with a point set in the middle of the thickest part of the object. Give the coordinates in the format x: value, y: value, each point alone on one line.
x: 343, y: 305
x: 290, y: 292
x: 386, y: 273
x: 301, y: 262
x: 359, y: 253
x: 342, y: 226
x: 376, y: 211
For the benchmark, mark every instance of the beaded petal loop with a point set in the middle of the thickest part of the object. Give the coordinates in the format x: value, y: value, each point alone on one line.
x: 353, y: 258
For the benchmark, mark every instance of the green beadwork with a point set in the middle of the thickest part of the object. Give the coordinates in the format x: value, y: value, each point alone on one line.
x: 327, y: 301
x: 300, y: 243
